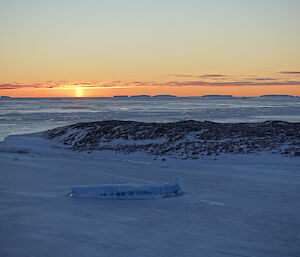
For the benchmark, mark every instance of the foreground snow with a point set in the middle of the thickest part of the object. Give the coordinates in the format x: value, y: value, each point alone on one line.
x: 238, y: 205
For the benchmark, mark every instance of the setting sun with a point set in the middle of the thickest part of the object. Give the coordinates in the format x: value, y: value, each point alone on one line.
x: 79, y: 92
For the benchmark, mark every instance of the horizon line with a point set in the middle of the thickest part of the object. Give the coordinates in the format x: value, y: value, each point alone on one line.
x: 155, y: 96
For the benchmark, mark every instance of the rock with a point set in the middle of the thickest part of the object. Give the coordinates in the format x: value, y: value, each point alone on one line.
x: 183, y: 139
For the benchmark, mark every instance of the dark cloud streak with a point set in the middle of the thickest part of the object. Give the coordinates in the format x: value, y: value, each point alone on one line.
x: 231, y: 83
x: 290, y: 72
x: 212, y: 76
x: 181, y: 76
x: 265, y: 79
x: 120, y: 84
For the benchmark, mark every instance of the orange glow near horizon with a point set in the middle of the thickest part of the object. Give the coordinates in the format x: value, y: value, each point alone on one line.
x: 154, y: 90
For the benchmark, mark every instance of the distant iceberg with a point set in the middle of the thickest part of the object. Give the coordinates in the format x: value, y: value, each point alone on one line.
x: 219, y: 96
x: 129, y: 191
x: 164, y: 96
x: 277, y: 96
x: 141, y: 96
x: 121, y: 96
x: 4, y: 97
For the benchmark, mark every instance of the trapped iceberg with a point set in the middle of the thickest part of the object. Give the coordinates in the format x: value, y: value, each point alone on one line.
x: 129, y: 191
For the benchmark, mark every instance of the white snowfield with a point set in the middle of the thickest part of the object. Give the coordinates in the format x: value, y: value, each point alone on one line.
x: 235, y: 206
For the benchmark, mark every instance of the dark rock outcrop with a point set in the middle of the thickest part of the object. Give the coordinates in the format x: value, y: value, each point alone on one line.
x: 185, y: 139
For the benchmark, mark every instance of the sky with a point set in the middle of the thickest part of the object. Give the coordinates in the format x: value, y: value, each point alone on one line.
x: 117, y: 47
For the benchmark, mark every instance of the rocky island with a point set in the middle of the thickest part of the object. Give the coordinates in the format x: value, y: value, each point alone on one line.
x: 185, y: 139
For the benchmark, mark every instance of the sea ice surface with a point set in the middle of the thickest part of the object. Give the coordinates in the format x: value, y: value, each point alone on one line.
x: 20, y: 116
x: 234, y: 206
